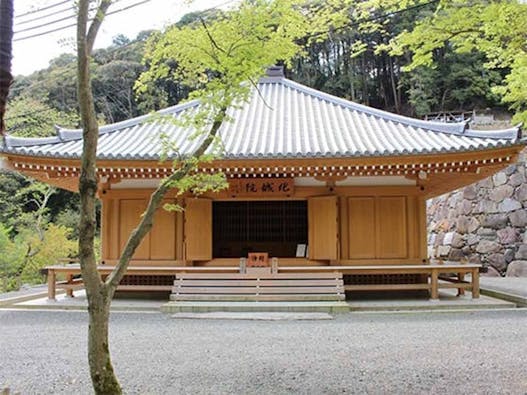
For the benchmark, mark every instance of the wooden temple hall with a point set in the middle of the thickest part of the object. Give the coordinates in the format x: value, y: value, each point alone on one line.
x: 323, y: 191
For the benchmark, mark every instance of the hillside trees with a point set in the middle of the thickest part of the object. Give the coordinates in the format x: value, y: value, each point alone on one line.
x: 115, y: 71
x: 31, y: 235
x: 31, y: 117
x: 349, y: 60
x: 498, y: 30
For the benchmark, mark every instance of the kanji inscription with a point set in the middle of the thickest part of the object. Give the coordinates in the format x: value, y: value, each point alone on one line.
x: 262, y: 186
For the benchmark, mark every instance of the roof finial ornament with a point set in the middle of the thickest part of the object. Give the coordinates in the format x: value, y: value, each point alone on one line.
x: 275, y: 71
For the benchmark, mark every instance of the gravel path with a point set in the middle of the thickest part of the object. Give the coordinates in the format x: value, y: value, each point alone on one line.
x: 438, y: 353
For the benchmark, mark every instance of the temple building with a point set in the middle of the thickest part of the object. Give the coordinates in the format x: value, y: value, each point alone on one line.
x: 315, y: 180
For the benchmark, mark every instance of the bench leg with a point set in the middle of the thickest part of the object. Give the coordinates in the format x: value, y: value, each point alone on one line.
x: 51, y: 285
x: 69, y: 291
x: 461, y: 278
x: 434, y: 285
x: 475, y: 283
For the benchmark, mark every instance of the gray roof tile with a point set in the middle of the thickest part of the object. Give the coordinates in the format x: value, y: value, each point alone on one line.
x: 284, y: 120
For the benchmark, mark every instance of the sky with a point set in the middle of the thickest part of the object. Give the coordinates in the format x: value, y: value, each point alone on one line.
x: 35, y: 53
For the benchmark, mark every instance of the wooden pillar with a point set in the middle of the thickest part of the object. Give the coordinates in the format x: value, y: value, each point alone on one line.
x: 434, y: 290
x: 461, y: 278
x: 51, y: 284
x: 423, y: 230
x: 475, y: 283
x: 69, y: 280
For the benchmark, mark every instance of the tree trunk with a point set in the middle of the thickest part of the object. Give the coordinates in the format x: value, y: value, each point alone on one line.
x: 396, y: 99
x: 6, y: 39
x: 103, y: 377
x: 102, y: 374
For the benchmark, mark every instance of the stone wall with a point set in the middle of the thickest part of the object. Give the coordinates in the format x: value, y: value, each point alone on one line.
x: 484, y: 223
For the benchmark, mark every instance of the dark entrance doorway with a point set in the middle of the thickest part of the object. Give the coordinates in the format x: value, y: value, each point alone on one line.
x: 276, y: 227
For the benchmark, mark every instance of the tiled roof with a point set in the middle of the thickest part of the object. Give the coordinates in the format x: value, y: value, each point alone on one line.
x: 283, y: 120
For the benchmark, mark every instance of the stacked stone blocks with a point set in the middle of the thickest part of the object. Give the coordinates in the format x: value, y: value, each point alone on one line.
x: 484, y: 223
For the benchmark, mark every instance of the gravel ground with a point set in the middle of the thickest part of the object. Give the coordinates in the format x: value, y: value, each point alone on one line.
x: 437, y: 353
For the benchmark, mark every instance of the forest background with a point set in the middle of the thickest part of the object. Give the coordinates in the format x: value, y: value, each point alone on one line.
x: 38, y: 223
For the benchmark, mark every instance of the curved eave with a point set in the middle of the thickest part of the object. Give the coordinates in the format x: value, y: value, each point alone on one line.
x: 502, y: 143
x: 474, y: 154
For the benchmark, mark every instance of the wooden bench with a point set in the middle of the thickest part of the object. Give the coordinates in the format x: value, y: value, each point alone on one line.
x: 259, y: 285
x: 434, y: 272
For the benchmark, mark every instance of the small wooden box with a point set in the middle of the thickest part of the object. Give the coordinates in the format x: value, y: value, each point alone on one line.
x: 258, y: 259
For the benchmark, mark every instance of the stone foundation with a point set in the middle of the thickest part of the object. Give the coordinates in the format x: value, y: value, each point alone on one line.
x: 484, y: 223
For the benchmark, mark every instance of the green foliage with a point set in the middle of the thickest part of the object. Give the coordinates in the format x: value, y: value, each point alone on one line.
x: 29, y: 117
x: 23, y: 256
x: 496, y: 29
x: 423, y: 93
x: 344, y: 53
x: 514, y: 90
x: 54, y: 244
x: 69, y: 218
x: 112, y: 86
x: 200, y: 183
x: 12, y: 207
x: 456, y: 82
x: 28, y: 241
x: 10, y: 259
x: 120, y: 40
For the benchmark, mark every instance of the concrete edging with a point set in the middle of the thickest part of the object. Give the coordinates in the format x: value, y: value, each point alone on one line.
x: 518, y: 300
x: 24, y: 298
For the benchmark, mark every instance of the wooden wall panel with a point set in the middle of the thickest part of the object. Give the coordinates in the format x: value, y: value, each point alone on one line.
x: 163, y: 234
x: 110, y: 229
x: 361, y: 227
x: 130, y: 211
x: 413, y: 226
x: 343, y: 228
x: 105, y: 228
x: 180, y: 237
x: 392, y: 230
x: 198, y: 229
x: 323, y: 227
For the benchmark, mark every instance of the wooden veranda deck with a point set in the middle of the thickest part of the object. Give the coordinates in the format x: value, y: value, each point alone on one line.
x: 435, y: 276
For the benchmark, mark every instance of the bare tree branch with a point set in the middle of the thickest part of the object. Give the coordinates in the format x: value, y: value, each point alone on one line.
x: 96, y: 23
x: 212, y: 41
x: 255, y: 85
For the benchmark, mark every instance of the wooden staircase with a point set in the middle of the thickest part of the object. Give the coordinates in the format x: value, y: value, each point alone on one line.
x: 257, y: 290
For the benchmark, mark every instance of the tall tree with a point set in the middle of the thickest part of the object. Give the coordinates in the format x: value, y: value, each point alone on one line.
x: 6, y: 40
x: 218, y: 58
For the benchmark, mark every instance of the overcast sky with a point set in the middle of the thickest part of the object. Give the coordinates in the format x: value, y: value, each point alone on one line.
x: 35, y: 53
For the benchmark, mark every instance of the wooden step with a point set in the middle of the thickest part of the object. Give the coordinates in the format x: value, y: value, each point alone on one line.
x: 258, y: 286
x: 260, y: 275
x: 256, y: 298
x: 261, y: 283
